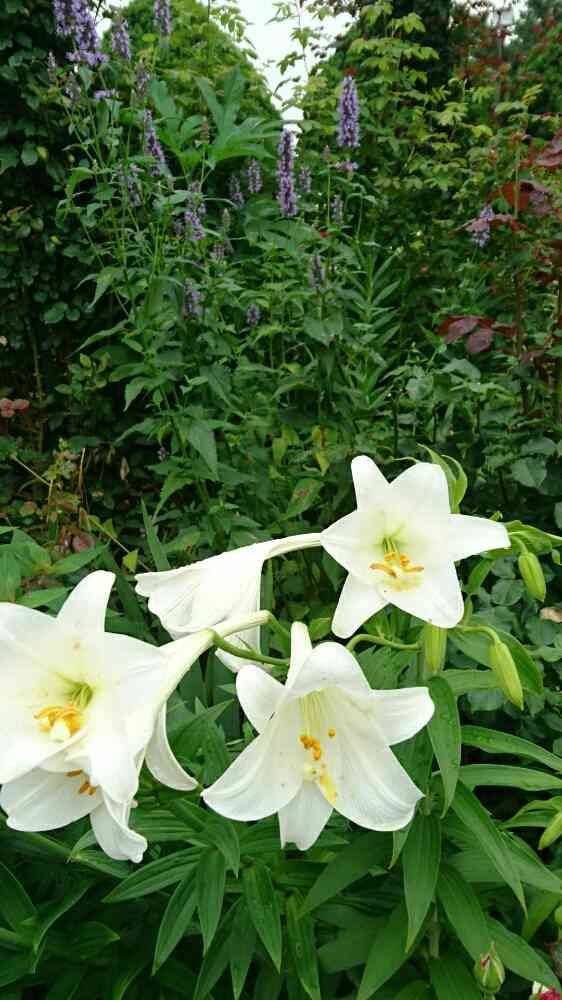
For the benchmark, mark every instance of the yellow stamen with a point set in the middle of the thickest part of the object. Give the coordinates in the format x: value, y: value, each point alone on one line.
x: 331, y: 733
x: 68, y: 715
x: 384, y: 569
x: 87, y: 788
x: 73, y: 774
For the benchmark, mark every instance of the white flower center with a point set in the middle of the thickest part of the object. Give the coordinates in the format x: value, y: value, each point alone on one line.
x: 65, y: 720
x: 315, y: 767
x: 397, y: 569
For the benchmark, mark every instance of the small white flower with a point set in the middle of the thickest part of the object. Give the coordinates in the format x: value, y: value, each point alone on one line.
x: 211, y: 591
x: 401, y: 544
x: 324, y: 744
x: 81, y: 709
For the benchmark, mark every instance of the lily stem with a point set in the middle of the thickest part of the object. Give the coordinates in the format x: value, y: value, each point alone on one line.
x: 246, y: 653
x: 380, y: 641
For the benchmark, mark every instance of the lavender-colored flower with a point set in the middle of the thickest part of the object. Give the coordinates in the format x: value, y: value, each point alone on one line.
x: 235, y: 191
x: 74, y: 20
x: 152, y: 145
x: 104, y: 95
x: 192, y: 305
x: 120, y: 41
x: 142, y: 80
x: 348, y: 115
x: 163, y: 18
x: 218, y: 253
x: 337, y: 210
x: 253, y: 315
x: 350, y: 166
x: 286, y: 195
x: 51, y: 68
x: 192, y: 225
x: 162, y: 454
x: 317, y: 273
x: 479, y: 228
x: 305, y: 180
x: 72, y: 88
x: 130, y: 181
x: 255, y: 182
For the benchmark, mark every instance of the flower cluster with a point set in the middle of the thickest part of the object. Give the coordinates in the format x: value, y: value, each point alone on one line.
x: 74, y: 20
x: 84, y: 709
x: 305, y: 180
x: 348, y: 115
x: 163, y: 18
x: 152, y: 145
x: 192, y: 305
x: 130, y: 180
x: 317, y: 273
x: 120, y: 42
x: 480, y: 227
x: 286, y: 195
x: 253, y: 314
x: 253, y: 173
x: 235, y: 191
x: 9, y: 407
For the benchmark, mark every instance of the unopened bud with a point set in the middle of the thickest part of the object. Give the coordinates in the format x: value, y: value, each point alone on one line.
x: 532, y: 575
x: 434, y: 645
x: 552, y: 832
x: 489, y: 971
x: 544, y: 993
x: 503, y: 665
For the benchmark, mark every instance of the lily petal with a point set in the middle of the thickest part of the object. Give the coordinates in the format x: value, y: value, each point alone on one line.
x: 161, y: 762
x: 266, y: 775
x: 259, y: 695
x: 301, y: 648
x: 471, y: 535
x: 301, y: 821
x: 85, y: 607
x: 42, y: 800
x: 369, y: 483
x: 357, y: 602
x: 105, y: 752
x: 329, y: 665
x: 110, y: 825
x: 439, y: 601
x: 401, y: 714
x: 423, y: 487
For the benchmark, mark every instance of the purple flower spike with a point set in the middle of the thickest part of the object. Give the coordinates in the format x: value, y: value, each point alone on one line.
x: 337, y: 210
x: 235, y: 191
x: 305, y: 180
x: 350, y: 166
x: 152, y: 145
x: 286, y: 195
x: 317, y: 273
x: 142, y: 80
x: 253, y: 173
x: 348, y: 115
x: 192, y: 300
x: 163, y: 18
x: 120, y: 42
x: 74, y: 20
x: 253, y: 315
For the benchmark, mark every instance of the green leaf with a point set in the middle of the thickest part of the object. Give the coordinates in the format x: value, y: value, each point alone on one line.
x: 463, y: 681
x: 154, y: 876
x: 49, y: 914
x: 215, y: 961
x: 201, y: 436
x: 222, y: 834
x: 154, y: 544
x: 15, y: 904
x: 177, y: 918
x: 508, y: 776
x: 415, y: 991
x: 367, y: 853
x: 70, y: 564
x: 351, y: 947
x: 477, y: 819
x: 67, y: 985
x: 451, y: 978
x: 529, y: 472
x: 494, y: 741
x: 12, y: 969
x: 300, y: 929
x: 476, y: 645
x: 456, y: 477
x: 304, y: 495
x: 387, y: 954
x: 517, y: 955
x: 263, y: 907
x: 445, y: 734
x: 420, y: 863
x: 211, y: 878
x: 463, y: 910
x: 242, y: 946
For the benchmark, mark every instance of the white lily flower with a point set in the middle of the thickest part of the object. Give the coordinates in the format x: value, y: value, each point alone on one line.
x: 81, y: 710
x: 324, y: 744
x: 211, y: 591
x: 401, y: 544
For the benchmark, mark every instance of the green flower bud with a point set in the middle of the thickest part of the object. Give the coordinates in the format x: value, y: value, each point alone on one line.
x: 552, y: 832
x: 434, y: 645
x: 532, y: 575
x: 503, y: 665
x: 489, y: 971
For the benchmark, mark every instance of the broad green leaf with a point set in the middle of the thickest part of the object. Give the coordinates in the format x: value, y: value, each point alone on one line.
x: 127, y: 971
x: 215, y: 961
x: 351, y: 947
x: 304, y: 495
x: 15, y: 904
x: 242, y: 947
x: 367, y: 853
x: 420, y: 863
x: 494, y: 741
x: 517, y: 955
x: 222, y: 834
x: 211, y: 878
x: 455, y: 476
x: 12, y: 969
x: 300, y: 929
x: 387, y: 954
x: 176, y: 919
x: 91, y: 939
x: 76, y: 561
x: 542, y: 904
x: 463, y: 681
x: 470, y: 812
x: 201, y: 436
x: 41, y: 923
x: 451, y: 978
x: 463, y: 910
x: 154, y: 544
x: 415, y: 991
x: 67, y: 985
x: 508, y: 776
x: 154, y: 876
x: 445, y: 734
x: 263, y: 907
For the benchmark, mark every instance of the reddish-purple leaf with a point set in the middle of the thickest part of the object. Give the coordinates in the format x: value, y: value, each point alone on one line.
x: 480, y: 340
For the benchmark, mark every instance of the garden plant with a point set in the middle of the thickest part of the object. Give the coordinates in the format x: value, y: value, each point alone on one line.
x: 280, y: 498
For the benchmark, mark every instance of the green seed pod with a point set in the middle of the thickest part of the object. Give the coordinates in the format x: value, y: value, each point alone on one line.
x: 434, y: 645
x: 532, y: 575
x: 503, y: 665
x: 489, y: 971
x: 552, y: 832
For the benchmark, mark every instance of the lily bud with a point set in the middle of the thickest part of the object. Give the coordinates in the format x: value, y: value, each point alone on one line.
x: 532, y: 575
x: 434, y: 645
x: 489, y: 971
x: 503, y: 665
x: 552, y: 832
